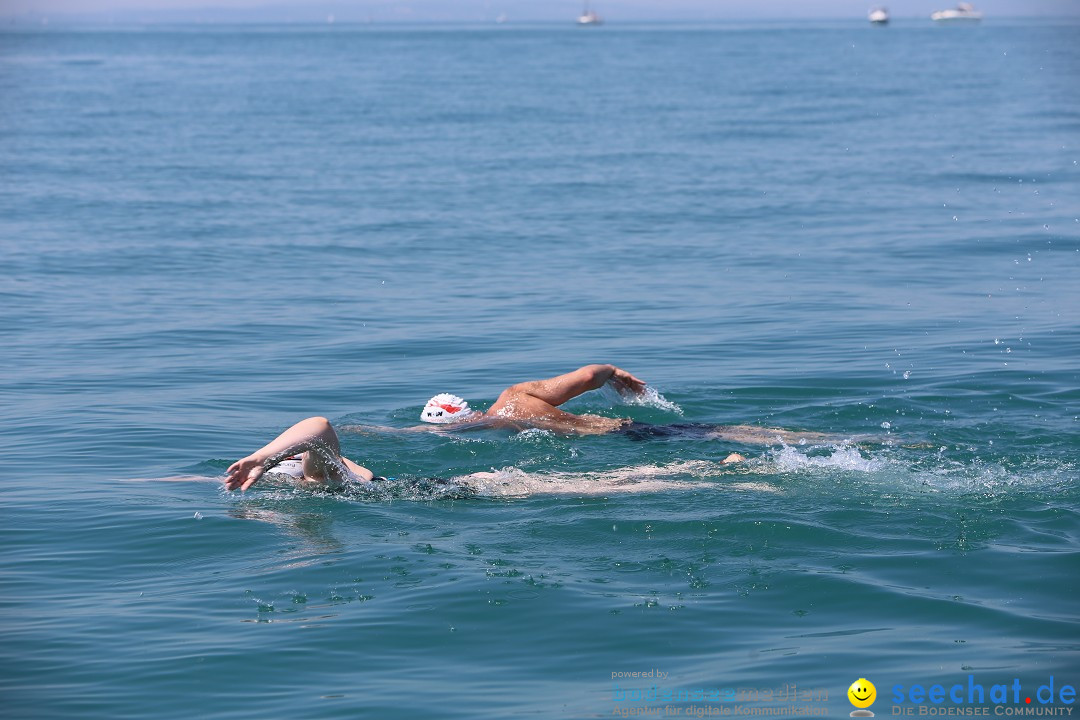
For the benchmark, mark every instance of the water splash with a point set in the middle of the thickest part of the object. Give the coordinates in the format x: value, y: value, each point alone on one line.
x: 841, y: 457
x: 993, y: 478
x: 649, y: 397
x: 534, y: 435
x: 899, y: 471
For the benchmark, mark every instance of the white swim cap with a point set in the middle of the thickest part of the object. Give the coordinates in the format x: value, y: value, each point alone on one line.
x: 445, y: 408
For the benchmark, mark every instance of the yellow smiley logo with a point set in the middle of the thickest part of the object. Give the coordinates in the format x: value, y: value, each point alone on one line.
x: 862, y: 693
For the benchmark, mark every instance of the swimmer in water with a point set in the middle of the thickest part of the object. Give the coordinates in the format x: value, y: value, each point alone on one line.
x: 535, y: 404
x: 310, y: 452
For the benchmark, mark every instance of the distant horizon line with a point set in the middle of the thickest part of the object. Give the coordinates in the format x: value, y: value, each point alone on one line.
x: 131, y: 18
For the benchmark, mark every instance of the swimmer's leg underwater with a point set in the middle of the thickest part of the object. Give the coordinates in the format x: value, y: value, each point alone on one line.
x: 745, y: 434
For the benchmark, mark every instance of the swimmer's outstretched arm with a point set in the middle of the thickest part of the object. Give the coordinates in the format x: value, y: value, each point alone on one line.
x: 314, y: 436
x: 558, y: 390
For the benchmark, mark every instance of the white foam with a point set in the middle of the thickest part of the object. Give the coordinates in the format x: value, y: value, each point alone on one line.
x: 841, y: 457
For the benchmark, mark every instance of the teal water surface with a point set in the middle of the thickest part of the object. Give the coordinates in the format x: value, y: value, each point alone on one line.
x: 210, y: 233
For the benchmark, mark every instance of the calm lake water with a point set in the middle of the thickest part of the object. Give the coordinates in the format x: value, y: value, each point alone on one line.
x: 209, y: 233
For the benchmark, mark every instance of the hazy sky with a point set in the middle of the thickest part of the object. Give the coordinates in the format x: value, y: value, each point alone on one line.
x: 473, y: 10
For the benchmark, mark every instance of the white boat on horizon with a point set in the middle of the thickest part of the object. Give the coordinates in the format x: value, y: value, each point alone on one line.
x: 589, y: 17
x: 878, y: 16
x: 963, y: 11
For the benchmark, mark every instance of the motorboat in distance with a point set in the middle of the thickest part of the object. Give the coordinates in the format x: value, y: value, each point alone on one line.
x: 878, y: 16
x: 963, y: 11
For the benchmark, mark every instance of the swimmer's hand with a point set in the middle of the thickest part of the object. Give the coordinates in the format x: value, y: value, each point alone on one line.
x: 624, y: 382
x: 244, y: 473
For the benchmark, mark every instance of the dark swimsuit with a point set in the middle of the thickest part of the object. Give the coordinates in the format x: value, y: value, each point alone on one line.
x: 644, y: 431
